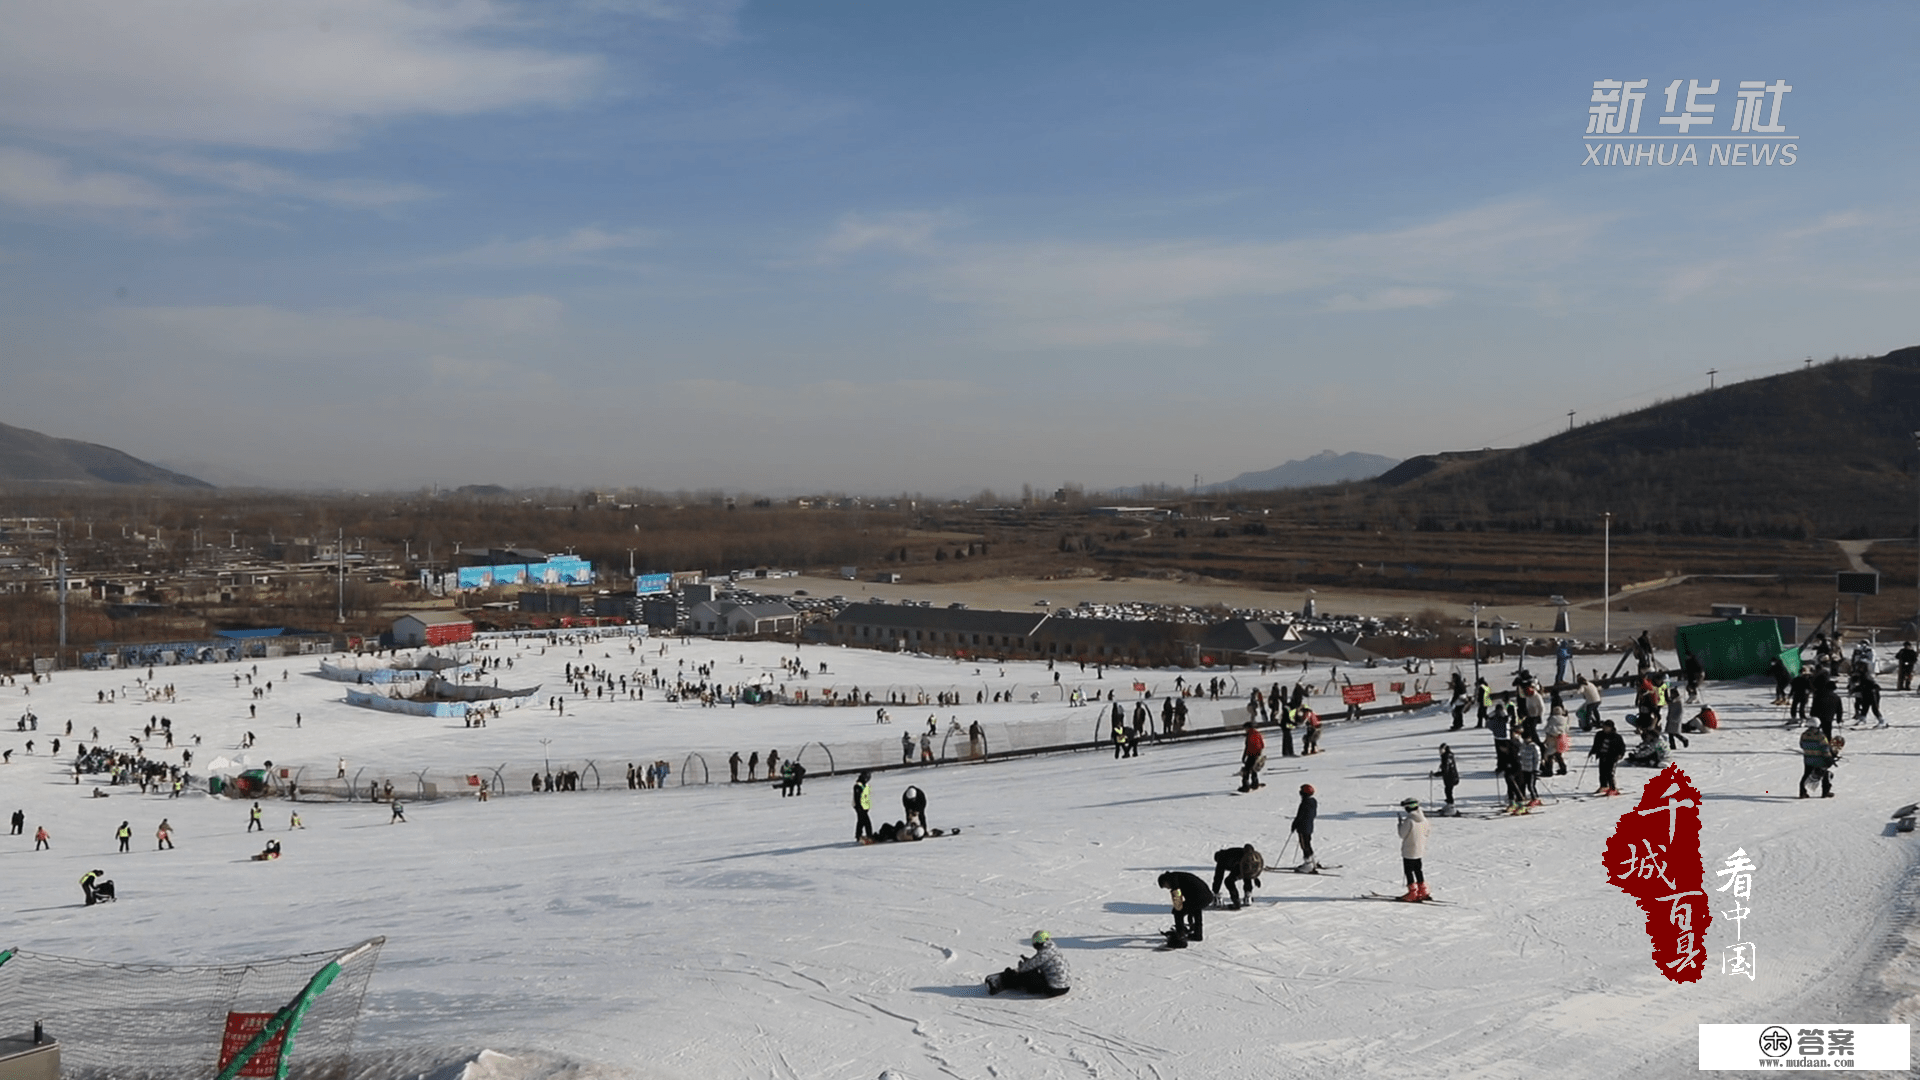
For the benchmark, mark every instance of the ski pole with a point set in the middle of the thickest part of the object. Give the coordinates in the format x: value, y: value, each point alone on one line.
x: 1580, y: 784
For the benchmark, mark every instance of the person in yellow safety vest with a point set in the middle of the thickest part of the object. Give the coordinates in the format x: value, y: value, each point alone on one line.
x: 124, y: 834
x: 863, y: 802
x: 253, y: 819
x: 1486, y: 701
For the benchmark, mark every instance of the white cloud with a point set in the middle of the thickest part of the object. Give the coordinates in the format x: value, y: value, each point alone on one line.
x: 909, y: 231
x: 1387, y: 300
x: 1100, y: 293
x: 508, y: 314
x: 265, y: 181
x: 288, y: 75
x: 581, y: 247
x: 44, y: 183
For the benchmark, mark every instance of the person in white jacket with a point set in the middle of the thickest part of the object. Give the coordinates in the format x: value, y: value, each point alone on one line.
x: 1413, y: 848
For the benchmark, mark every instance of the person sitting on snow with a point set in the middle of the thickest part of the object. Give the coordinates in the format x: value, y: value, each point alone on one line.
x: 1044, y: 973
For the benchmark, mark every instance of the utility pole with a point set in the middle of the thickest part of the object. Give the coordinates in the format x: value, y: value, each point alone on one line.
x: 60, y: 565
x: 1606, y: 584
x: 1711, y: 372
x: 340, y: 586
x: 1570, y: 415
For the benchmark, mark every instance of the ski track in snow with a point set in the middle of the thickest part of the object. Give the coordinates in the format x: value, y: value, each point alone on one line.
x: 711, y: 932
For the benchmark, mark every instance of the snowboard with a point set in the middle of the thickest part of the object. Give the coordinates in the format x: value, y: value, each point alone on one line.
x: 1321, y: 869
x: 1175, y: 940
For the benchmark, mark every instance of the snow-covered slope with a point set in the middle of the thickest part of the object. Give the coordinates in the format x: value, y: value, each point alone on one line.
x: 723, y: 931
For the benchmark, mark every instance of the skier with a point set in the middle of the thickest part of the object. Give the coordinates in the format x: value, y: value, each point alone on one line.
x: 1412, y: 827
x: 41, y: 840
x: 1449, y: 774
x: 1044, y: 973
x: 124, y: 834
x: 1303, y: 827
x: 1527, y: 772
x: 1609, y: 747
x: 1118, y: 725
x: 1781, y: 678
x: 253, y: 819
x: 906, y: 749
x: 1557, y: 743
x: 399, y: 814
x: 1190, y: 897
x: 1241, y: 868
x: 1826, y: 704
x: 1253, y: 758
x: 862, y: 803
x: 1675, y: 707
x: 914, y: 802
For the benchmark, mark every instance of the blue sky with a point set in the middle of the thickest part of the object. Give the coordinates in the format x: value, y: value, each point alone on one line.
x: 886, y: 247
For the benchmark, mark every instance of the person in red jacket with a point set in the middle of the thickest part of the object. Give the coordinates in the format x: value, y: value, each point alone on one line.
x: 1253, y: 758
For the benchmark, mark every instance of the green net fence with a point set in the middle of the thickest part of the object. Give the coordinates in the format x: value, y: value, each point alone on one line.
x: 161, y: 1022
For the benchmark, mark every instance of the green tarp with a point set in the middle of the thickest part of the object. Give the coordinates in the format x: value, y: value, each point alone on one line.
x: 1736, y: 648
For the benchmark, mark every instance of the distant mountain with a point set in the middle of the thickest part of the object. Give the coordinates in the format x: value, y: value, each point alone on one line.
x: 1325, y: 467
x: 1825, y: 450
x: 30, y: 457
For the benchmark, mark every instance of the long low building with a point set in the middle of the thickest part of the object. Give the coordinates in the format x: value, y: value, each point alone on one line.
x: 969, y: 632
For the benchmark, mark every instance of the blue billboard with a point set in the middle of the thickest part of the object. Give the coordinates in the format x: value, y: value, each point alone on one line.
x: 649, y: 584
x: 559, y: 570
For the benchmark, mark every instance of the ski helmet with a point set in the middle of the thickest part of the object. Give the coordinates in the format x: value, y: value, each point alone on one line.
x: 1041, y: 937
x: 1306, y: 789
x: 1410, y: 804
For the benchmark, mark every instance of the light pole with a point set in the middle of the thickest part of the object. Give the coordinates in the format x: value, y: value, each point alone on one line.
x: 630, y: 552
x: 548, y: 758
x: 1916, y: 549
x: 1476, y: 644
x: 1606, y: 583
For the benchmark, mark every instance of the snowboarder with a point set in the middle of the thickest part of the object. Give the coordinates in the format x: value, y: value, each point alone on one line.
x: 862, y: 803
x: 1412, y: 827
x: 1609, y: 747
x: 1190, y: 897
x: 1241, y: 868
x: 253, y: 819
x: 1303, y: 827
x: 1818, y: 754
x: 1044, y: 973
x: 268, y: 853
x: 914, y: 802
x: 1253, y: 758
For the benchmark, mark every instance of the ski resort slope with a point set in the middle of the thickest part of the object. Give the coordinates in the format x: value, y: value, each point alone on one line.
x: 725, y: 931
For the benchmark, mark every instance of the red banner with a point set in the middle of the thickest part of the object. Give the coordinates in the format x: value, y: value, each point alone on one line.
x: 1139, y: 687
x: 241, y: 1028
x: 1397, y: 687
x: 1422, y: 698
x: 1356, y: 694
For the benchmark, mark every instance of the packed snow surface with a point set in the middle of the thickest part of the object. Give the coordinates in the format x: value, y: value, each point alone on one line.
x: 724, y: 931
